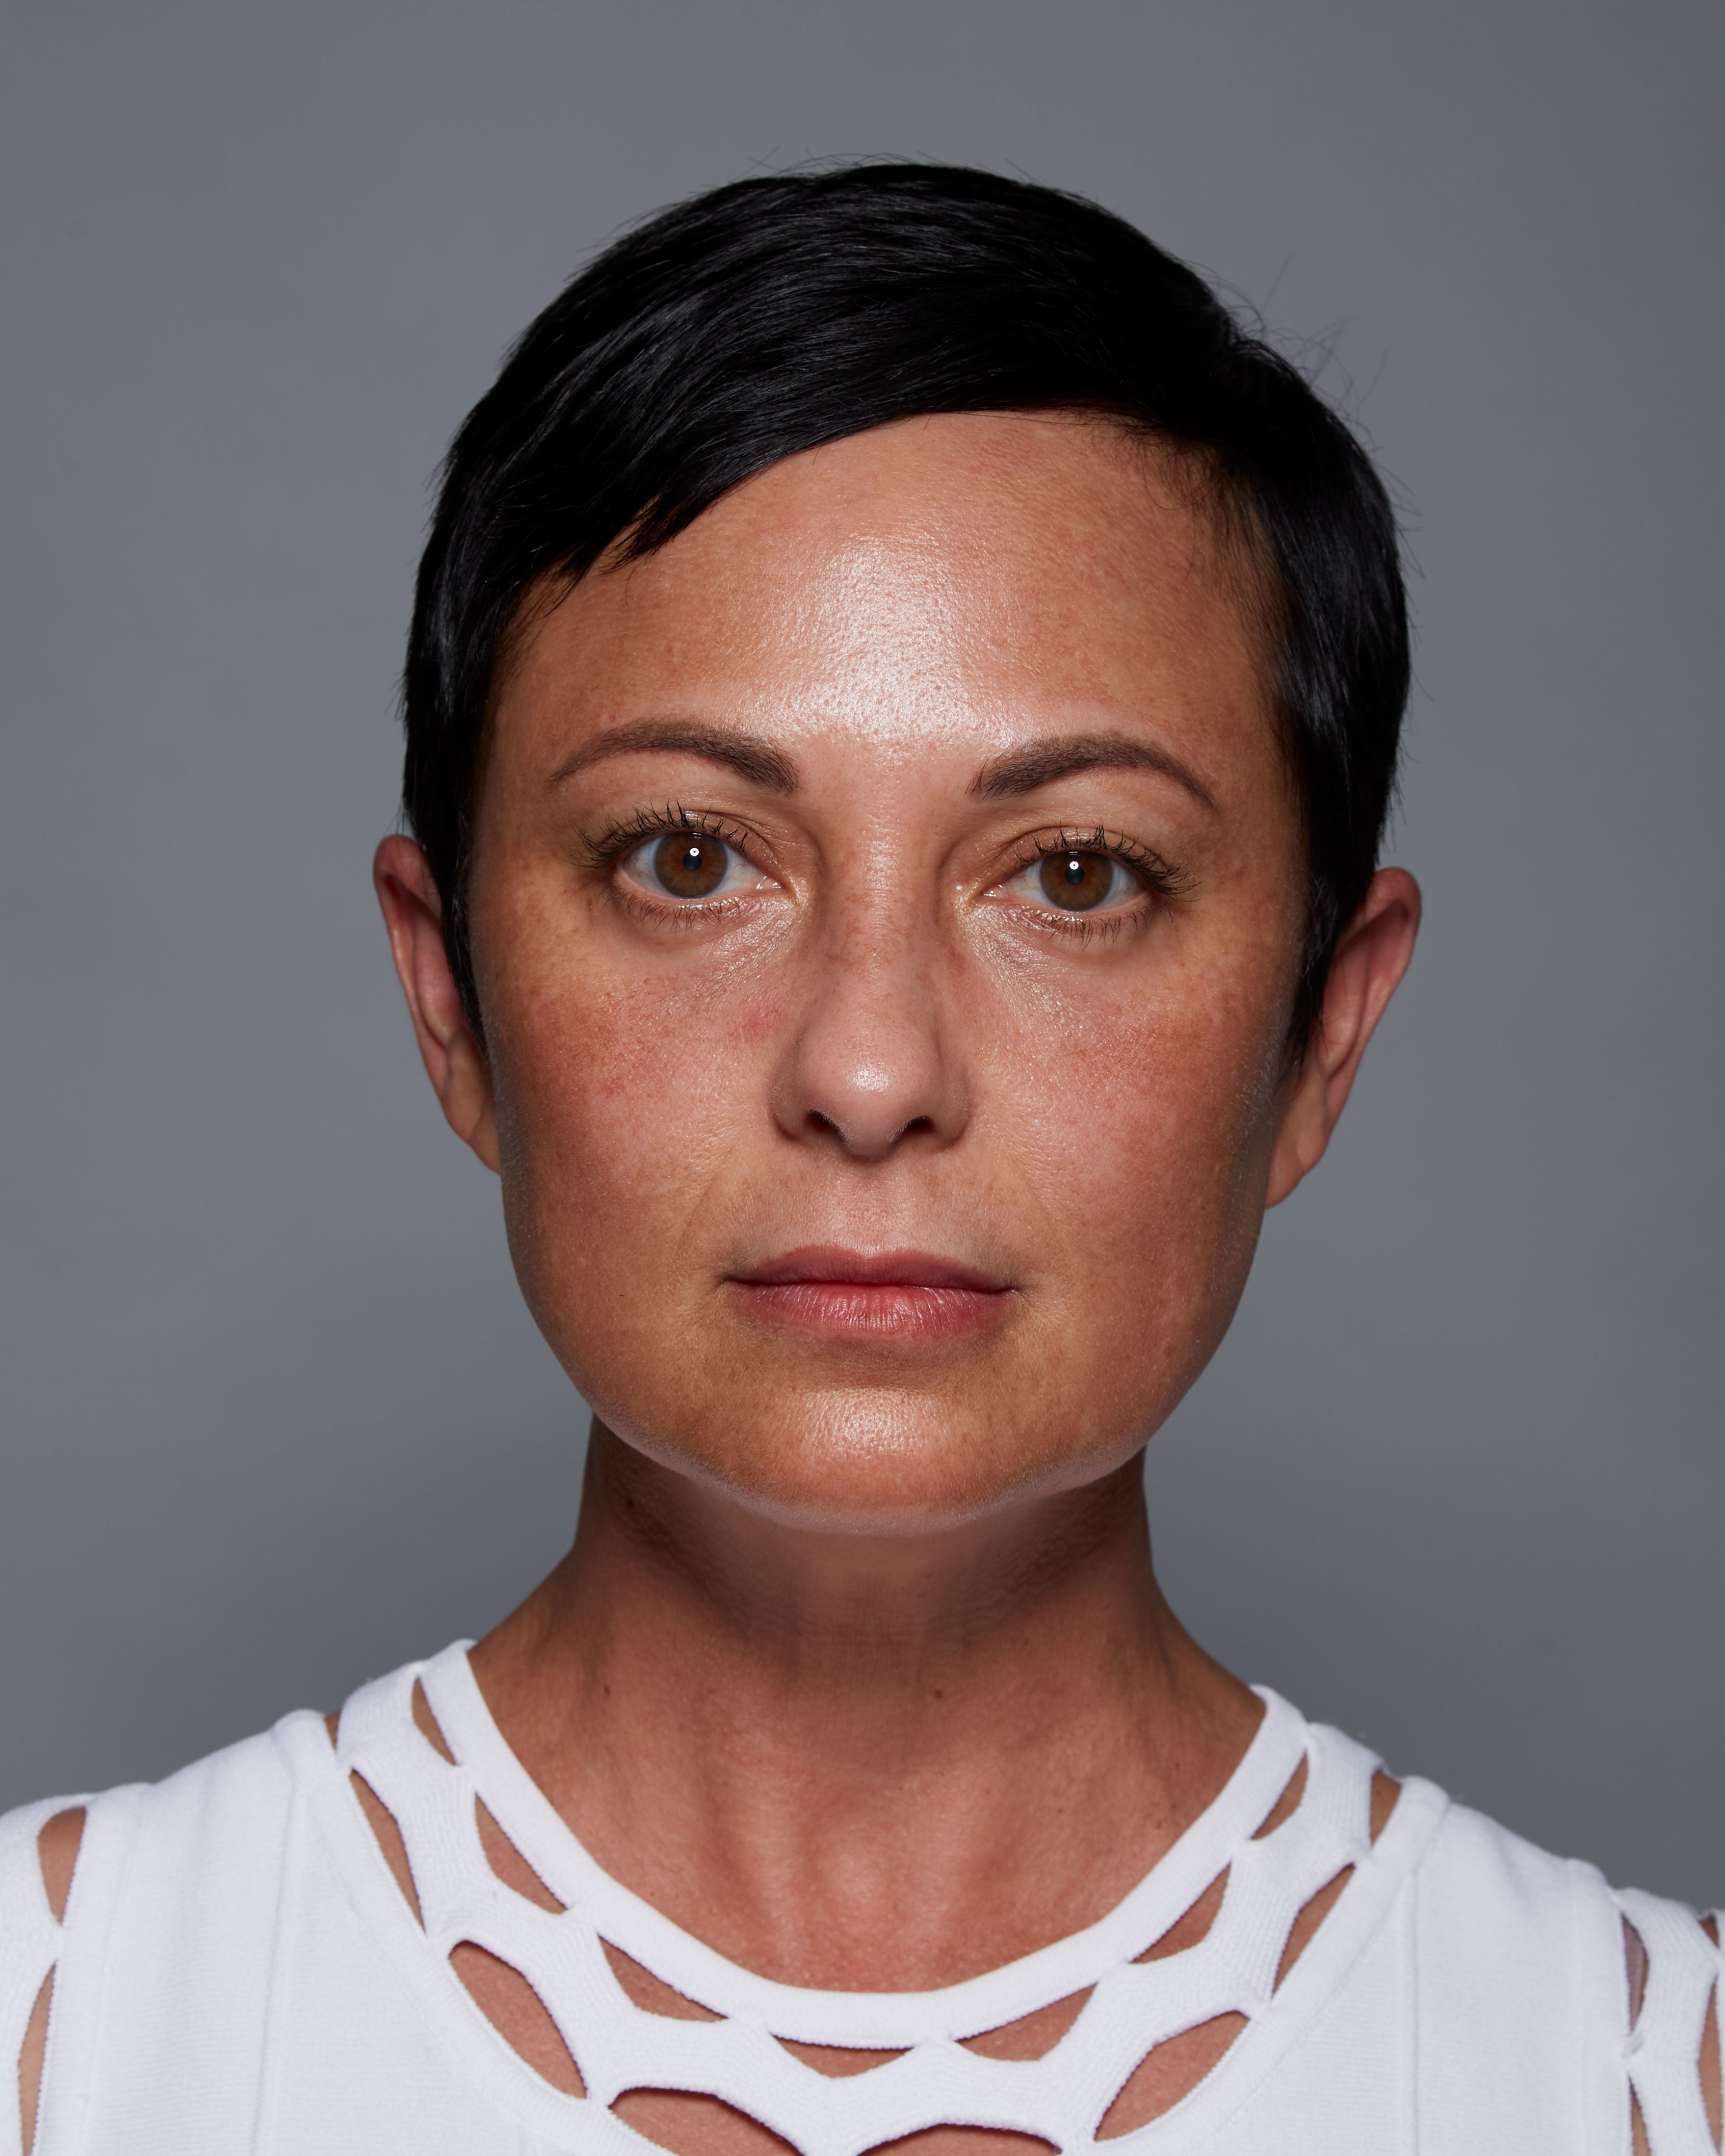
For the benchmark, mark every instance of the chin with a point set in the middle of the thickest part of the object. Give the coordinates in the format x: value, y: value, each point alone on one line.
x: 872, y: 1462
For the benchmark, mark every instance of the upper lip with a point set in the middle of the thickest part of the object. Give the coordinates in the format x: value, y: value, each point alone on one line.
x: 884, y: 1269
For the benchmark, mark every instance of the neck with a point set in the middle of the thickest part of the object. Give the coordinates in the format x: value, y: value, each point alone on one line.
x: 864, y: 1762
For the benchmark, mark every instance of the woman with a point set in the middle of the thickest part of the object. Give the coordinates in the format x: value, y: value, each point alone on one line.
x: 902, y: 705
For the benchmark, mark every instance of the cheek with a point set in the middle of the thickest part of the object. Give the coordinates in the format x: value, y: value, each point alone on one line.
x: 620, y: 1102
x: 1145, y: 1119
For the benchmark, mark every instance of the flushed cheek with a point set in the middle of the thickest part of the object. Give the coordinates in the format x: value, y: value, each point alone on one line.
x: 621, y: 1105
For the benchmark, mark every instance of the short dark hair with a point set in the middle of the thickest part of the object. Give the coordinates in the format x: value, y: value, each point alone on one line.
x: 781, y: 313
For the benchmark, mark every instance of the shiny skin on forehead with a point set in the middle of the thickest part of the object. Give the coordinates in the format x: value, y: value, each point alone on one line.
x: 972, y: 577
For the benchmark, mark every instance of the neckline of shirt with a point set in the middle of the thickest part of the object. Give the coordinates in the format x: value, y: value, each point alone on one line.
x: 873, y: 2019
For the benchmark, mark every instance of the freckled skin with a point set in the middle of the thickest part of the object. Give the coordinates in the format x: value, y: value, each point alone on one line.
x: 1101, y: 1116
x: 858, y: 1667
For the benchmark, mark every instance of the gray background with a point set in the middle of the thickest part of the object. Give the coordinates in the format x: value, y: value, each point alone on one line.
x: 274, y: 1418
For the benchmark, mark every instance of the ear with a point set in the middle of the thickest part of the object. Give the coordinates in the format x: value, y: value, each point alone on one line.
x: 1365, y: 972
x: 459, y: 1075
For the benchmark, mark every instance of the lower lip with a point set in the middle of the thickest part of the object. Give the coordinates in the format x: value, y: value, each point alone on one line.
x: 884, y: 1310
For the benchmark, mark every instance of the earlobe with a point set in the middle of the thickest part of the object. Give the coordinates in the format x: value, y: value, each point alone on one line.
x: 412, y: 913
x: 1370, y: 959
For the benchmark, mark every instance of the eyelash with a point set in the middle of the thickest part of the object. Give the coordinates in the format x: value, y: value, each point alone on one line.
x: 1167, y: 882
x: 621, y: 838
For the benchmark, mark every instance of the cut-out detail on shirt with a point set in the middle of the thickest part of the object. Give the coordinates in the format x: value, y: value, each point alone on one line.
x: 965, y: 2141
x: 1709, y: 2065
x: 1032, y: 2035
x: 58, y: 1841
x: 29, y: 2064
x: 1635, y: 1959
x: 57, y: 1847
x: 383, y: 1823
x: 1286, y: 1805
x: 652, y: 1994
x: 1311, y: 1916
x: 425, y: 1722
x: 690, y: 2124
x: 1192, y: 1927
x: 1173, y: 2068
x: 1169, y: 2072
x: 518, y: 2014
x: 697, y: 2053
x: 511, y: 1866
x: 1671, y: 1977
x: 1712, y: 2050
x: 837, y: 2060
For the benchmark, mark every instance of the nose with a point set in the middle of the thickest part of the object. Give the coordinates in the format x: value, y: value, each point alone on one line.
x: 871, y: 1069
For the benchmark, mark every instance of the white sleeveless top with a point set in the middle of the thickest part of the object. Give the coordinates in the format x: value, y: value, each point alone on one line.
x: 237, y: 1973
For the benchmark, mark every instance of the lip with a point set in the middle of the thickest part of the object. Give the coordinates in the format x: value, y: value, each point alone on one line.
x: 827, y: 1261
x: 887, y: 1295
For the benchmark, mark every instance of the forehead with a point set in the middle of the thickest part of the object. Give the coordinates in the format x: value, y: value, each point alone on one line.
x: 973, y: 569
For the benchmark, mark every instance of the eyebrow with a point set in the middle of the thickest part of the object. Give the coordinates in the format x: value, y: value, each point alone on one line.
x: 747, y: 754
x: 1036, y: 763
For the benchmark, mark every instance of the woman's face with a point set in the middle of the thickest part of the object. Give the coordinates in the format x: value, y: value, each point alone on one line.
x: 886, y: 903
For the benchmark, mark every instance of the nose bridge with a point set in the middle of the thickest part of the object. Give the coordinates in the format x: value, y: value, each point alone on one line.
x: 872, y: 1065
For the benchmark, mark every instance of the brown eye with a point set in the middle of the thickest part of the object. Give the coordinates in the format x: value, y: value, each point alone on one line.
x: 1077, y: 882
x: 690, y: 865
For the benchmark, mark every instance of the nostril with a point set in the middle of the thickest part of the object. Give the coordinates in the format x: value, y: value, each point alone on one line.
x: 917, y: 1123
x: 818, y: 1121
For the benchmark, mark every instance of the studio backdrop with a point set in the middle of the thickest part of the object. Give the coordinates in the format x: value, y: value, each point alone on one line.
x: 274, y: 1419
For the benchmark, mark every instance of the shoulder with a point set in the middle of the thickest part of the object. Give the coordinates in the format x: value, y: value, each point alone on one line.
x: 111, y: 1900
x: 232, y: 1796
x: 63, y: 1860
x: 1512, y: 1895
x: 1533, y: 1971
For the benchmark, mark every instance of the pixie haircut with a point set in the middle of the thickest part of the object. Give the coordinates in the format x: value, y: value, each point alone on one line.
x: 778, y: 313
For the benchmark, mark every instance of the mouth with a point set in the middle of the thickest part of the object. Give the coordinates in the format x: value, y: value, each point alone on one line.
x: 892, y: 1295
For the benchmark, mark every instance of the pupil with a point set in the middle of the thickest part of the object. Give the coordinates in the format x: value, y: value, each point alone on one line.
x: 690, y: 867
x: 1077, y: 882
